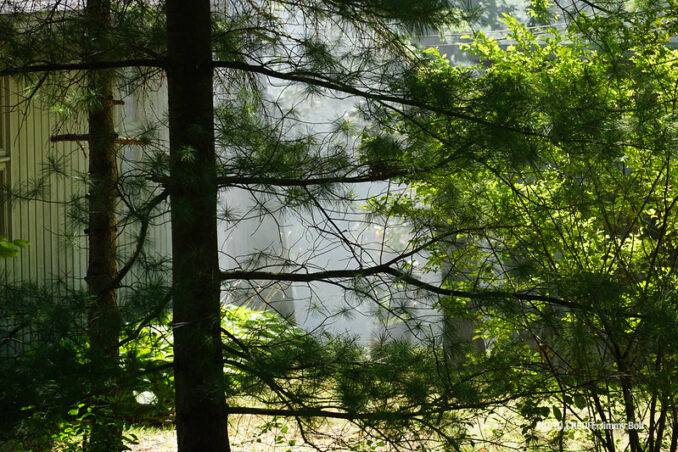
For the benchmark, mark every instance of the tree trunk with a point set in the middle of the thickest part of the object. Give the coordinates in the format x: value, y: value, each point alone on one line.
x: 198, y: 369
x: 458, y: 332
x: 104, y: 319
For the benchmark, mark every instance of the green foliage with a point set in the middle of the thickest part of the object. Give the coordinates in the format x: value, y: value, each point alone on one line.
x: 395, y: 388
x: 11, y: 248
x: 557, y: 180
x: 43, y: 377
x: 539, y: 182
x: 49, y: 375
x: 540, y: 10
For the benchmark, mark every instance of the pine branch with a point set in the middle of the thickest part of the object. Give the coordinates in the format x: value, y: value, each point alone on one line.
x: 83, y: 66
x: 292, y: 182
x: 141, y: 239
x: 245, y: 275
x: 319, y: 412
x: 85, y: 137
x: 597, y: 6
x: 315, y: 79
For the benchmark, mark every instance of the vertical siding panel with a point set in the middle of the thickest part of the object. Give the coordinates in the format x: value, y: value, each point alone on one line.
x: 49, y: 220
x: 39, y: 220
x: 15, y: 177
x: 43, y: 138
x: 35, y: 206
x: 67, y: 249
x: 51, y: 257
x: 55, y: 219
x: 64, y: 254
x: 72, y: 246
x: 29, y: 210
x: 11, y: 264
x: 63, y: 260
x: 83, y: 242
x: 5, y: 264
x: 75, y: 228
x: 16, y: 180
x: 74, y: 250
x: 24, y: 175
x: 22, y: 206
x: 83, y: 165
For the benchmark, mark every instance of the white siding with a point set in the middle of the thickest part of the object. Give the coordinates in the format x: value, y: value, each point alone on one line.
x: 58, y: 250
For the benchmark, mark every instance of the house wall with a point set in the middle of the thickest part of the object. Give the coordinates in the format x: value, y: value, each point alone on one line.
x: 52, y: 253
x: 58, y: 250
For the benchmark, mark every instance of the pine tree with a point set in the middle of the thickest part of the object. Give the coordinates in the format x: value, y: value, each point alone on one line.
x: 567, y: 214
x: 104, y: 318
x: 198, y: 369
x: 396, y: 390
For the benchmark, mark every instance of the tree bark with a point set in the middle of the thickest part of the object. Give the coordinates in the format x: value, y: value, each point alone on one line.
x: 198, y: 370
x: 103, y: 316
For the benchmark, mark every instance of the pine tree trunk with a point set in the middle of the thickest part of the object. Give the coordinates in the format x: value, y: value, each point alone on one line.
x: 198, y: 369
x: 104, y: 318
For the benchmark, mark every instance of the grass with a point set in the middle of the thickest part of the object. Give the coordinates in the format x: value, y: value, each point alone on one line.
x: 253, y: 433
x: 495, y: 433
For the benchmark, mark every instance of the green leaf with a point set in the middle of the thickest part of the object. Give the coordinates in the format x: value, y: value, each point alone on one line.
x: 557, y: 413
x: 11, y: 248
x: 579, y: 401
